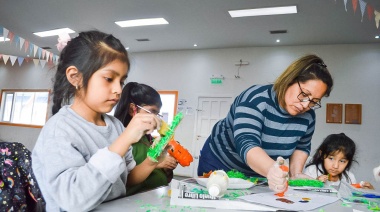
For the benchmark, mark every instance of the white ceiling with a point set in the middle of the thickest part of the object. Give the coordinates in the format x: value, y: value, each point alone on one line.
x: 205, y: 22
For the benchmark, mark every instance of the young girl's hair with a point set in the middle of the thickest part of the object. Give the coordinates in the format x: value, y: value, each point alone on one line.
x: 333, y: 144
x: 138, y: 94
x: 88, y: 52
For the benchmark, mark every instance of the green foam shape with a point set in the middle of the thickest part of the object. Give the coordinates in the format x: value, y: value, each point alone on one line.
x: 306, y: 182
x: 154, y: 152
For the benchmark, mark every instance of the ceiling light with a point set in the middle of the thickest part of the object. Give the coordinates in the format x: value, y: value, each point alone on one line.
x: 142, y: 22
x: 263, y: 11
x: 278, y: 40
x: 377, y: 37
x: 127, y: 48
x: 195, y: 45
x: 2, y: 39
x: 54, y: 32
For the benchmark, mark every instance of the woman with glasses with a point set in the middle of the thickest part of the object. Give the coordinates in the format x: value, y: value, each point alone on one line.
x: 270, y: 121
x: 140, y: 98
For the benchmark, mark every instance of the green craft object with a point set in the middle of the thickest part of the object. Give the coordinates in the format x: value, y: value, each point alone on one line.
x: 236, y: 174
x: 155, y: 151
x: 306, y: 182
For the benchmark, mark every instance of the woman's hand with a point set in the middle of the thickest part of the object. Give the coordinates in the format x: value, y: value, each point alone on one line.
x: 168, y: 162
x: 277, y: 179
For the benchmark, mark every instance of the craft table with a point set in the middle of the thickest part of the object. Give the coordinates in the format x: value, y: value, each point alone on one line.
x: 158, y: 200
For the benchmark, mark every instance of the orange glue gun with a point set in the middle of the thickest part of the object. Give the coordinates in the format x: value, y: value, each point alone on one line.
x: 180, y: 153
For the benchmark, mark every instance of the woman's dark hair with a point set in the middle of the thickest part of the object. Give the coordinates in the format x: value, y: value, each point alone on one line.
x: 138, y: 94
x: 88, y: 52
x: 332, y: 144
x: 309, y: 67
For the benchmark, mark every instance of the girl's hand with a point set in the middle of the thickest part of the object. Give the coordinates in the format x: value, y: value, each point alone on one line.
x: 323, y: 178
x: 141, y: 124
x: 169, y: 162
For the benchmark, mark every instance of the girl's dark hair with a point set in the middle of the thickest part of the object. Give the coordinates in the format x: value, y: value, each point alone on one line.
x: 139, y: 94
x: 88, y: 52
x: 308, y: 67
x: 332, y: 144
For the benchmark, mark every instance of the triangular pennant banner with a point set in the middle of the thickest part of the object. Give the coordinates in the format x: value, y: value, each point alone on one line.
x: 370, y: 12
x: 20, y: 60
x: 35, y: 48
x: 1, y: 31
x: 13, y: 59
x: 354, y: 5
x: 39, y: 52
x: 43, y: 63
x: 22, y: 40
x: 362, y: 5
x: 35, y: 61
x: 345, y: 5
x: 377, y: 18
x: 5, y: 33
x: 43, y: 53
x: 5, y: 58
x: 26, y: 46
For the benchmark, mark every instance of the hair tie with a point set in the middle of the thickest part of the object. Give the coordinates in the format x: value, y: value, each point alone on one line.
x: 63, y: 39
x: 322, y: 64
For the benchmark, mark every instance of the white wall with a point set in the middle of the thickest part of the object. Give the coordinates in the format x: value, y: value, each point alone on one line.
x: 355, y: 68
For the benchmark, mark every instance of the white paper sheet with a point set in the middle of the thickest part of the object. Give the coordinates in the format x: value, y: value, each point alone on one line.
x: 218, y: 204
x: 300, y: 201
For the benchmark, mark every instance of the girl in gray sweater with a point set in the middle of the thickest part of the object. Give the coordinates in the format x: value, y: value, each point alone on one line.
x: 83, y: 157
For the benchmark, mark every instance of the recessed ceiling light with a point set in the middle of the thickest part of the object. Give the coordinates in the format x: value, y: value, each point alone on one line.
x: 127, y: 48
x: 278, y: 40
x: 377, y: 37
x: 195, y: 45
x: 263, y: 11
x: 2, y: 39
x: 142, y: 22
x: 54, y: 32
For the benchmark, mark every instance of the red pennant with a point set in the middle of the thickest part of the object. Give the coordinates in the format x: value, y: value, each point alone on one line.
x: 26, y: 45
x: 370, y: 12
x: 354, y: 5
x: 11, y: 36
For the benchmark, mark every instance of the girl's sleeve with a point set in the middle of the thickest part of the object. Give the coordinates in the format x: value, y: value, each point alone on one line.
x: 73, y: 183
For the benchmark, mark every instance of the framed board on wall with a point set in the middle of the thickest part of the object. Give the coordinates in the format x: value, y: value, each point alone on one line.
x: 334, y: 113
x: 353, y: 113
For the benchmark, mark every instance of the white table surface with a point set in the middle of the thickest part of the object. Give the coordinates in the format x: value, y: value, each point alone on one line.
x: 158, y: 200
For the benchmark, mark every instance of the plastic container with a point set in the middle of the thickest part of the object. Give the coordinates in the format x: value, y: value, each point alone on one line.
x: 217, y: 183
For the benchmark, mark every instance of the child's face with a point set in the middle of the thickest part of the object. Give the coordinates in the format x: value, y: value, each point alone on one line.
x: 335, y: 163
x: 105, y: 86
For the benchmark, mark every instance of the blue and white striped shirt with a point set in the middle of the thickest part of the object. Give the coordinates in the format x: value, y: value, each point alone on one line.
x: 255, y: 119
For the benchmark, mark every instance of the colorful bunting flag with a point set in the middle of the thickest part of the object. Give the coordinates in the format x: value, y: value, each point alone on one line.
x: 29, y: 48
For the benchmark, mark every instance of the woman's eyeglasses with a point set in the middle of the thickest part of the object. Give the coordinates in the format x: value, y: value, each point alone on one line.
x: 148, y: 111
x: 303, y: 97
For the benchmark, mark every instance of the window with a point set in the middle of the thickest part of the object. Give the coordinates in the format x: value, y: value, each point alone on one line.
x: 169, y: 105
x: 24, y: 107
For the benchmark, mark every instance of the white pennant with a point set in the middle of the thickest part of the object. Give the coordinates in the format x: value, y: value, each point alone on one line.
x: 13, y: 59
x: 5, y: 33
x: 345, y: 5
x: 22, y: 40
x: 35, y: 61
x: 35, y: 50
x: 377, y: 18
x: 43, y: 63
x: 5, y: 58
